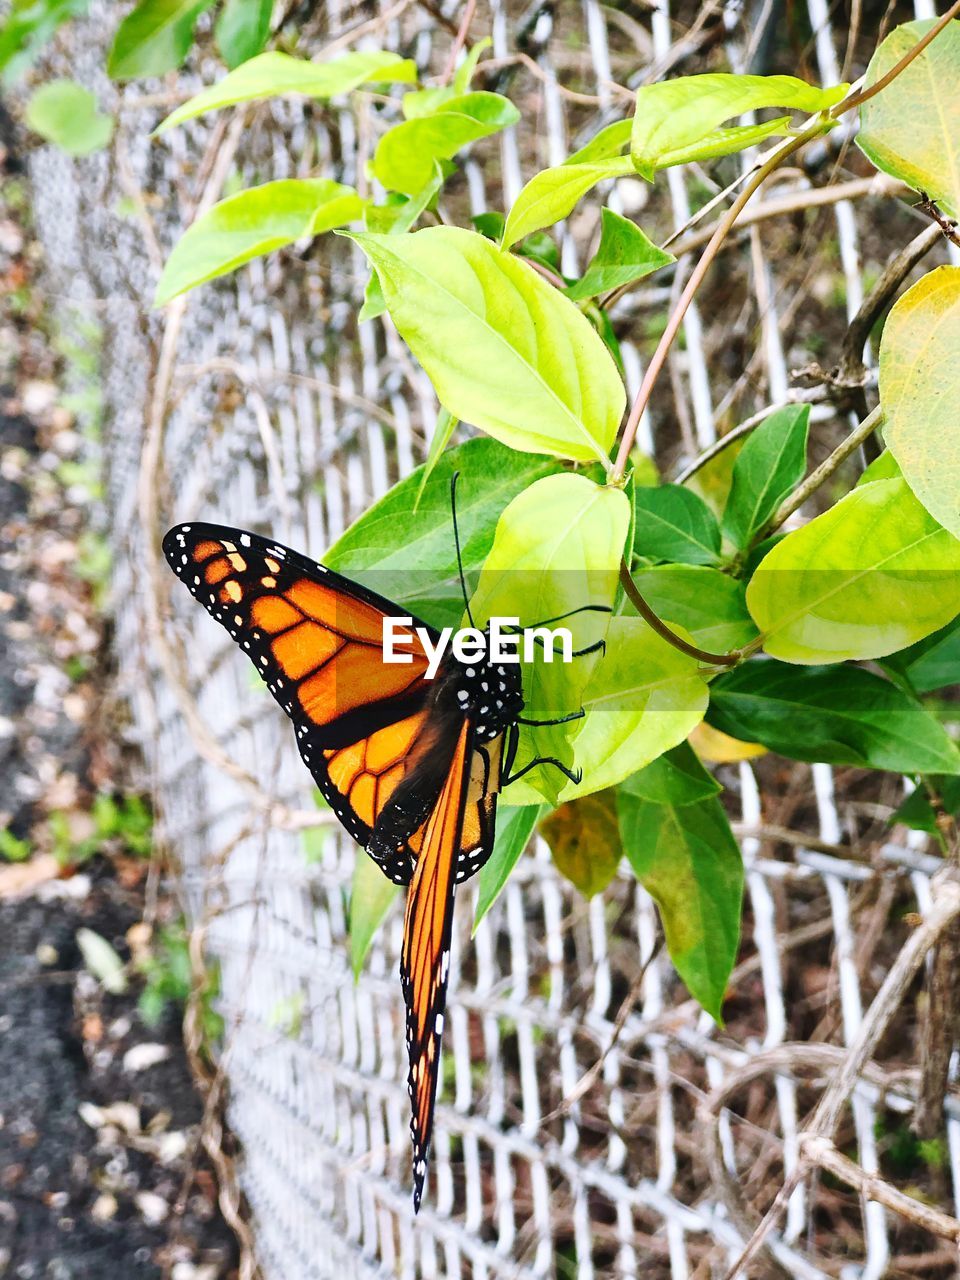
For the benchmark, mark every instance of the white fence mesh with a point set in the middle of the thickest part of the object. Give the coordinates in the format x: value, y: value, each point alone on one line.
x: 280, y: 414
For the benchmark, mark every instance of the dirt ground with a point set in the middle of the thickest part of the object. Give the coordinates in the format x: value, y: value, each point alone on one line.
x: 100, y: 1175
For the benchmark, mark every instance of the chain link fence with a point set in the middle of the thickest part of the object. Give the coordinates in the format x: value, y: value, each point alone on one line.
x: 592, y: 1120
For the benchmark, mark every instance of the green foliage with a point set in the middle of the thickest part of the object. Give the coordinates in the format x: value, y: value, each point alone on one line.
x: 154, y: 38
x: 709, y: 605
x: 252, y: 223
x: 66, y: 114
x: 28, y: 26
x: 242, y: 29
x: 931, y: 663
x: 12, y: 848
x: 910, y: 129
x: 557, y: 390
x: 673, y: 524
x: 371, y: 897
x: 623, y: 256
x: 919, y: 386
x: 168, y: 976
x: 684, y: 854
x: 676, y: 778
x: 121, y: 824
x: 868, y: 577
x: 918, y: 812
x: 835, y: 714
x: 406, y: 154
x: 551, y: 194
x: 680, y: 114
x: 515, y: 827
x: 768, y: 467
x: 270, y: 75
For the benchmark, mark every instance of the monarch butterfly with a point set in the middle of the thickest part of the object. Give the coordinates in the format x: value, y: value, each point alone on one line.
x: 411, y: 766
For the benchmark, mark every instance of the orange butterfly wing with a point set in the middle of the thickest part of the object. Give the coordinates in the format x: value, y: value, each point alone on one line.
x: 317, y: 640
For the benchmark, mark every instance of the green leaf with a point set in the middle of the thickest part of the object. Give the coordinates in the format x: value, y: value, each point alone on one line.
x: 515, y: 827
x: 869, y: 576
x: 643, y: 698
x: 466, y: 309
x: 885, y: 467
x: 557, y: 548
x: 836, y: 714
x: 676, y: 114
x: 253, y: 223
x: 28, y: 27
x: 687, y: 859
x: 12, y: 848
x: 674, y: 524
x: 552, y: 193
x: 406, y: 154
x: 709, y: 605
x: 624, y: 255
x: 920, y: 387
x: 770, y: 464
x: 403, y: 547
x: 911, y: 128
x: 931, y: 663
x: 584, y: 839
x: 445, y: 426
x: 273, y: 74
x: 724, y: 142
x: 66, y: 114
x: 917, y: 811
x: 675, y: 778
x: 371, y: 897
x: 154, y: 38
x: 242, y: 29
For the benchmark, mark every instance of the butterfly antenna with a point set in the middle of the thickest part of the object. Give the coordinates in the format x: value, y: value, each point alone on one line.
x: 456, y: 539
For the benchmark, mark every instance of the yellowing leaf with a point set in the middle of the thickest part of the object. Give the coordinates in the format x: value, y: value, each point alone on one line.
x: 503, y: 349
x: 718, y: 748
x: 870, y: 576
x: 584, y: 839
x: 920, y: 391
x: 911, y: 129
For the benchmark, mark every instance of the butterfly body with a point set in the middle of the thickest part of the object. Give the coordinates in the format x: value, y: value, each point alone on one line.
x: 411, y: 766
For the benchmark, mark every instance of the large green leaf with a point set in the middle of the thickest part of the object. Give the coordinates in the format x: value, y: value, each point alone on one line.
x: 515, y: 827
x: 708, y: 604
x: 612, y: 139
x: 931, y: 663
x: 552, y: 193
x: 623, y: 255
x: 868, y: 577
x: 911, y: 129
x: 154, y: 38
x: 675, y: 778
x: 406, y: 154
x: 66, y: 114
x: 272, y: 74
x: 371, y: 897
x: 920, y: 389
x: 242, y: 29
x: 672, y: 115
x: 687, y: 859
x: 253, y: 223
x: 643, y: 698
x: 672, y: 523
x: 557, y: 547
x: 403, y: 547
x: 836, y: 714
x: 584, y: 839
x: 770, y: 464
x: 503, y: 349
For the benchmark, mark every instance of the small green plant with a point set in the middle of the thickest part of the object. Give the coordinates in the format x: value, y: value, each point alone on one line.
x: 121, y: 825
x: 169, y: 980
x: 12, y: 848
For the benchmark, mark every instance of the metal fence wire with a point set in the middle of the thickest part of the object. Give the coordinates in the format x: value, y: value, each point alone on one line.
x: 261, y: 402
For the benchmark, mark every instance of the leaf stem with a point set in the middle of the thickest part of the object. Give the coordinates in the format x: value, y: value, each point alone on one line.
x: 459, y: 41
x: 724, y: 226
x: 662, y: 630
x: 822, y: 473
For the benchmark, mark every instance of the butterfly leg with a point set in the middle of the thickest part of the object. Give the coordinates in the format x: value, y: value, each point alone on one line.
x: 571, y: 613
x: 575, y: 775
x: 540, y: 724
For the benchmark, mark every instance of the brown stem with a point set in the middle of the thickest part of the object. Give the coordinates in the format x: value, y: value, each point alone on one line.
x: 662, y: 630
x: 724, y: 227
x: 459, y: 40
